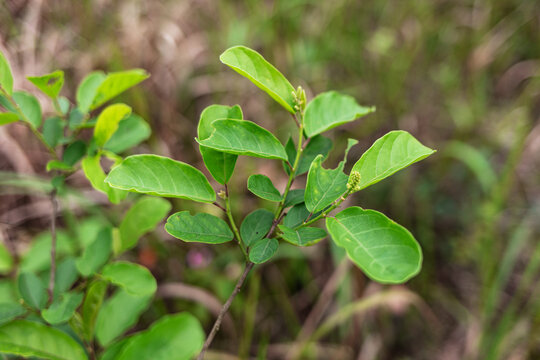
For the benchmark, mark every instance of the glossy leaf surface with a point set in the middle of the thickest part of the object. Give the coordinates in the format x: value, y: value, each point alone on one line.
x: 252, y: 65
x: 389, y: 154
x: 201, y: 227
x: 116, y: 83
x: 384, y: 250
x: 86, y: 91
x: 161, y: 176
x: 243, y: 137
x: 94, y: 173
x: 8, y: 118
x: 262, y: 186
x: 331, y: 109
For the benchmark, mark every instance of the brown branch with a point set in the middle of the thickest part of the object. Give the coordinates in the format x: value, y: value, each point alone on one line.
x: 52, y: 276
x: 219, y: 206
x: 224, y: 309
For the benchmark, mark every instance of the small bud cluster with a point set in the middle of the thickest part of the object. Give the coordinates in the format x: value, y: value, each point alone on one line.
x: 299, y: 99
x: 354, y: 182
x: 222, y: 194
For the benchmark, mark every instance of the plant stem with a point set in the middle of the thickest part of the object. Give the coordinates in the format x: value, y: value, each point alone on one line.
x: 327, y: 211
x: 233, y: 224
x: 224, y: 309
x: 299, y: 150
x: 52, y: 276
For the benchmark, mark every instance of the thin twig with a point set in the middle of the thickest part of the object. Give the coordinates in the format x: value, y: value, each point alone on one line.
x: 219, y: 206
x: 224, y: 309
x: 52, y: 276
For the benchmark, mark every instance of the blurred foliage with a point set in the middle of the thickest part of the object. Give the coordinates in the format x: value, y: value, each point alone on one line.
x: 462, y: 76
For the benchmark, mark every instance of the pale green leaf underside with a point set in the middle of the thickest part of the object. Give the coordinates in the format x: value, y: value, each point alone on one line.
x: 384, y: 250
x: 304, y: 236
x: 262, y: 186
x: 201, y: 227
x: 262, y: 250
x: 94, y: 173
x: 30, y: 107
x: 242, y: 137
x: 252, y: 65
x: 28, y: 339
x: 256, y: 225
x: 331, y: 109
x: 161, y: 176
x: 389, y: 154
x: 134, y: 278
x: 178, y: 336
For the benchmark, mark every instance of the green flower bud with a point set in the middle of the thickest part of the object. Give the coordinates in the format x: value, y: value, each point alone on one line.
x: 354, y: 182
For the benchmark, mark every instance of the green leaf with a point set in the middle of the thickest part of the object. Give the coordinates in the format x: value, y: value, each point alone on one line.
x: 53, y: 130
x: 63, y: 309
x: 324, y: 186
x: 201, y: 227
x: 115, y: 84
x: 38, y: 257
x: 295, y: 196
x: 32, y: 290
x: 66, y: 275
x: 8, y: 292
x: 331, y: 109
x: 252, y: 65
x: 296, y: 216
x: 30, y: 339
x: 133, y: 278
x: 256, y: 225
x: 74, y: 152
x: 384, y: 250
x: 96, y: 254
x: 262, y: 186
x: 118, y: 314
x: 220, y: 165
x: 262, y: 250
x: 94, y: 173
x: 6, y: 260
x: 86, y: 92
x: 8, y: 118
x: 389, y: 154
x: 213, y: 113
x: 131, y: 132
x: 58, y: 165
x: 161, y: 176
x: 178, y: 336
x: 113, y: 350
x: 9, y: 311
x: 91, y: 306
x: 29, y: 106
x: 6, y: 77
x: 317, y: 145
x: 243, y: 137
x: 107, y: 122
x: 49, y: 84
x: 141, y: 218
x: 305, y: 236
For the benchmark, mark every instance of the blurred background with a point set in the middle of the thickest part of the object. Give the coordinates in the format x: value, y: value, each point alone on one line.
x: 463, y: 76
